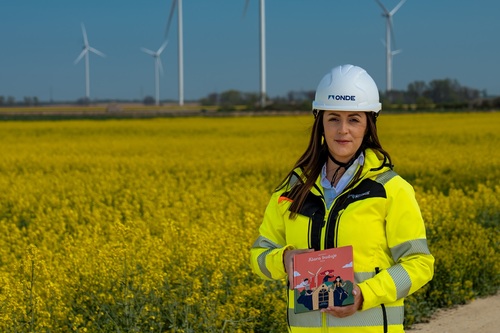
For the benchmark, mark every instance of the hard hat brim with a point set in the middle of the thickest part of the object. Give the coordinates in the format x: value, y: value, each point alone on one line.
x: 360, y: 108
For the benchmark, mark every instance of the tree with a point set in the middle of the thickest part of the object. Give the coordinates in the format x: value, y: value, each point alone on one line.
x: 83, y: 101
x: 231, y: 97
x: 11, y: 101
x: 149, y: 100
x: 28, y: 101
x: 251, y: 100
x: 469, y: 94
x: 211, y: 99
x: 416, y: 90
x: 444, y: 91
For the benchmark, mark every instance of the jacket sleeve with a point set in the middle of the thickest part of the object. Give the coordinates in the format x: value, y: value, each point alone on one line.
x: 413, y: 264
x: 266, y: 254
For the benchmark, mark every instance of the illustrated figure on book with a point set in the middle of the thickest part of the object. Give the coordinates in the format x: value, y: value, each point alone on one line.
x: 328, y: 275
x: 339, y: 294
x: 343, y: 192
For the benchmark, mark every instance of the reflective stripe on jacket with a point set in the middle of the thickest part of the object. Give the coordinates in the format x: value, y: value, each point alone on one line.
x: 380, y: 218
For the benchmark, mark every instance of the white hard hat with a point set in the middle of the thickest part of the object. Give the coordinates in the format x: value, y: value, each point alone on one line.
x: 347, y: 88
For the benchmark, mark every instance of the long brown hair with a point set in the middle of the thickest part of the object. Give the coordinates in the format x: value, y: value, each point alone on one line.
x: 316, y: 154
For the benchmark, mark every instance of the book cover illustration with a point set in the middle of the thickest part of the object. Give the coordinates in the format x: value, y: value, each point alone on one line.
x: 323, y: 278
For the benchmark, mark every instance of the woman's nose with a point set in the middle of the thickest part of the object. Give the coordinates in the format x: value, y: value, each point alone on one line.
x: 342, y: 127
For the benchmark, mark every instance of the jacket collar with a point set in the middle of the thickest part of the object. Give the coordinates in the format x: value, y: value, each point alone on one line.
x: 371, y: 167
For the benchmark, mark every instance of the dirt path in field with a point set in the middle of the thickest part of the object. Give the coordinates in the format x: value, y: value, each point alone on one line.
x: 481, y: 315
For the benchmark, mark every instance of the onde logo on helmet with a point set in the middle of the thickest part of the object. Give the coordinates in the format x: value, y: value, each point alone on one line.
x: 342, y: 97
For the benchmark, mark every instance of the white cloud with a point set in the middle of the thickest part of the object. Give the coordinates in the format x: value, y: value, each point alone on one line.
x: 348, y: 265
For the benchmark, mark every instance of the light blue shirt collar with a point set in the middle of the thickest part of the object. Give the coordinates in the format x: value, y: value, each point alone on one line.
x: 331, y: 192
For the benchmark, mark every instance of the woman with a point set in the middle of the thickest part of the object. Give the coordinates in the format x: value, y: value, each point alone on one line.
x: 343, y: 191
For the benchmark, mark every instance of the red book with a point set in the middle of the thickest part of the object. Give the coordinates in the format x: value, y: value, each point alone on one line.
x: 323, y: 278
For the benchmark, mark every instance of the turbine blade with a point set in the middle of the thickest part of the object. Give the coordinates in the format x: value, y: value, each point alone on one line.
x: 247, y: 2
x: 396, y: 52
x: 383, y: 7
x: 148, y: 51
x: 97, y: 52
x: 172, y: 9
x: 397, y: 7
x: 162, y: 47
x: 84, y: 32
x: 391, y: 27
x: 80, y: 56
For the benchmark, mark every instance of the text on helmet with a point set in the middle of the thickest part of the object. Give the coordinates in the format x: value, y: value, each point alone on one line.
x: 342, y: 97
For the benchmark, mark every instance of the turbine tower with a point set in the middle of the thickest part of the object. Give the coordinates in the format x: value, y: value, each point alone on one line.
x: 178, y: 4
x: 389, y: 35
x: 158, y: 67
x: 85, y: 53
x: 262, y: 32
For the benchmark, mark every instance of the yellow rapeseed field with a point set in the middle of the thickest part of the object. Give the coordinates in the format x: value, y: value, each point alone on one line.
x: 145, y: 225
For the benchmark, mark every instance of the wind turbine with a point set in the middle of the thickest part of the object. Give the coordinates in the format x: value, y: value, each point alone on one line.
x: 178, y: 4
x: 85, y: 53
x: 262, y: 17
x: 315, y: 276
x: 158, y: 67
x: 389, y: 34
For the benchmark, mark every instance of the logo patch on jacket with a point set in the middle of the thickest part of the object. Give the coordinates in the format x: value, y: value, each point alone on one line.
x: 357, y: 196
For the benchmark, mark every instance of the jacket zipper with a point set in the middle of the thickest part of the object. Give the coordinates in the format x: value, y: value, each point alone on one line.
x: 336, y: 228
x: 339, y: 214
x: 332, y: 223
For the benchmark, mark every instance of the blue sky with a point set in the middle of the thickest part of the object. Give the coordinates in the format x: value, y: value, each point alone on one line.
x: 39, y: 41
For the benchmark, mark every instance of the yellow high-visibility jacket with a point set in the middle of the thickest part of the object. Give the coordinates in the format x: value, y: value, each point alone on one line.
x: 380, y: 218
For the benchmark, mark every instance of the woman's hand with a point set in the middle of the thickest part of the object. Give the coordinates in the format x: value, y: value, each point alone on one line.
x: 346, y: 311
x: 288, y: 262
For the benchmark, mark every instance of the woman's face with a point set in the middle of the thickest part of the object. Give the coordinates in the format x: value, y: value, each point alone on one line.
x: 344, y: 132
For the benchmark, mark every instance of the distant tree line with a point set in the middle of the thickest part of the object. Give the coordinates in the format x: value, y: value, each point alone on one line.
x: 11, y: 101
x: 440, y: 94
x: 444, y: 94
x: 435, y: 95
x: 232, y: 99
